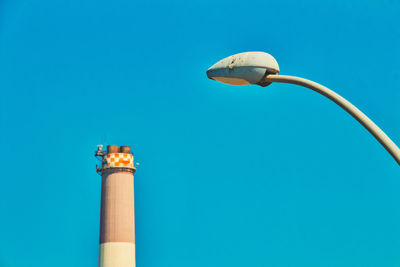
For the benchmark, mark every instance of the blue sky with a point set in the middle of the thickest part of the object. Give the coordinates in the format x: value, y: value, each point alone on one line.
x: 229, y: 176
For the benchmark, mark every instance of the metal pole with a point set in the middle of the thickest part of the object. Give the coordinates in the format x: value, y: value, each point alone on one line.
x: 382, y: 138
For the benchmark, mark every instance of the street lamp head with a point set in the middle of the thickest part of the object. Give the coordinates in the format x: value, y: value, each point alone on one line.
x: 244, y: 68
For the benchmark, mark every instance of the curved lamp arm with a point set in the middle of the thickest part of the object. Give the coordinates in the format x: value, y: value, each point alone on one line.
x: 382, y: 138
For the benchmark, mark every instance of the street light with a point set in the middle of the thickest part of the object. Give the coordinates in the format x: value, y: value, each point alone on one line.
x: 262, y: 69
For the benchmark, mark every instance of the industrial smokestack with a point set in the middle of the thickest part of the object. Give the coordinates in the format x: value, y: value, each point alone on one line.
x: 117, y: 218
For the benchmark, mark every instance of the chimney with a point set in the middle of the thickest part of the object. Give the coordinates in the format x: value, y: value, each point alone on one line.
x: 117, y: 218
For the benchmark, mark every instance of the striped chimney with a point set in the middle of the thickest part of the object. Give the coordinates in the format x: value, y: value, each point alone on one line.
x: 117, y: 218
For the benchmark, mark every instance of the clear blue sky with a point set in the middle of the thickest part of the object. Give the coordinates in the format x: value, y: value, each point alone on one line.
x: 229, y: 176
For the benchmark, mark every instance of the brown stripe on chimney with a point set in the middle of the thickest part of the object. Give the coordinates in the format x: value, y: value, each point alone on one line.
x: 117, y: 207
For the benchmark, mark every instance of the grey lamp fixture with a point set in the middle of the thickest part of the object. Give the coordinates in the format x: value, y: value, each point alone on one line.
x: 262, y: 69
